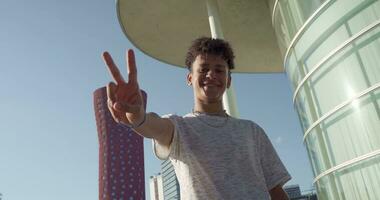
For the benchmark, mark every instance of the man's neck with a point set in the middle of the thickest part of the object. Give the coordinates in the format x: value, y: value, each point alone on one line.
x: 209, y: 108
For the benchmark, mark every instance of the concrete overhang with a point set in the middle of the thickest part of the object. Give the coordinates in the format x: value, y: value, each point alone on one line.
x: 164, y: 29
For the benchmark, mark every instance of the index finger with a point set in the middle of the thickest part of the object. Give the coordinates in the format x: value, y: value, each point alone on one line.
x: 113, y: 68
x: 132, y: 70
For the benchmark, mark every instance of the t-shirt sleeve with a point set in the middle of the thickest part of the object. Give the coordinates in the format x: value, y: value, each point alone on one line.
x: 161, y: 152
x: 274, y: 170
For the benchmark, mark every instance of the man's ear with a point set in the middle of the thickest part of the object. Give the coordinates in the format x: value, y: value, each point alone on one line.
x: 188, y: 78
x: 229, y: 80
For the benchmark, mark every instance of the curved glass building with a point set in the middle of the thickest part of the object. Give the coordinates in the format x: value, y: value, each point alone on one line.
x: 331, y: 52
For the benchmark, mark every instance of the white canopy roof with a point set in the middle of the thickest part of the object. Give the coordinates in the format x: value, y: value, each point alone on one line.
x: 164, y: 29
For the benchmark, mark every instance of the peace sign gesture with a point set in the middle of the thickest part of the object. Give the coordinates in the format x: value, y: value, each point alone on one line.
x: 124, y: 101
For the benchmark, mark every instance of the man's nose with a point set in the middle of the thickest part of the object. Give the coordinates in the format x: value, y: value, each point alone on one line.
x: 211, y: 73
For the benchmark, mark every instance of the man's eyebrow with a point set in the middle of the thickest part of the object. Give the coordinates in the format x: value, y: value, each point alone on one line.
x: 204, y: 65
x: 217, y: 65
x: 220, y: 65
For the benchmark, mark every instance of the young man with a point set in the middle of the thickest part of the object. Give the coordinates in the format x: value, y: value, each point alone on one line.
x: 215, y: 156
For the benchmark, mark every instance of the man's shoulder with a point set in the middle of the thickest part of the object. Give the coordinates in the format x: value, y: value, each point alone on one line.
x: 247, y: 122
x: 171, y: 116
x: 177, y: 119
x: 177, y: 115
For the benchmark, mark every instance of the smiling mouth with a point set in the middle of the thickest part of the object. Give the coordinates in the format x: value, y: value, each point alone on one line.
x: 209, y: 84
x: 210, y: 87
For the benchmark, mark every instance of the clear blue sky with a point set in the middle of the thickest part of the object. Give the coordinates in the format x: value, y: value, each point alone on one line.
x: 50, y: 66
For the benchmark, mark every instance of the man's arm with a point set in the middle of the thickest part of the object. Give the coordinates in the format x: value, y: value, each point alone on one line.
x: 277, y: 193
x: 126, y: 104
x: 160, y: 129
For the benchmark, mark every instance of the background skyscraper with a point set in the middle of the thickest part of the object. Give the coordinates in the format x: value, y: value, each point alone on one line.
x: 165, y: 185
x: 121, y: 155
x: 170, y: 181
x: 293, y: 191
x: 156, y: 187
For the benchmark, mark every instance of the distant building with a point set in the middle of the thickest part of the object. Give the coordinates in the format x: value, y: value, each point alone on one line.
x: 170, y: 182
x: 294, y: 193
x: 121, y: 155
x: 156, y: 187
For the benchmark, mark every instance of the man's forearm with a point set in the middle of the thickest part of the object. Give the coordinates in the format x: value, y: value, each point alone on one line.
x: 151, y: 126
x: 155, y: 127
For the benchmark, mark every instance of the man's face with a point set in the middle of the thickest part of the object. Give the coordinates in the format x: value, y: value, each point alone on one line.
x: 209, y: 77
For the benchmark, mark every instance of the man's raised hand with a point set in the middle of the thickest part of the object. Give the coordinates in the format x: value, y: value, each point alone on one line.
x: 124, y: 98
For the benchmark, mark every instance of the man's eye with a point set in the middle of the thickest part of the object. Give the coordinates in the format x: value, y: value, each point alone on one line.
x: 204, y: 70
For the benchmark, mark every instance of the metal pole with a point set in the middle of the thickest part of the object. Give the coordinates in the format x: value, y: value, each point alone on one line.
x: 229, y: 99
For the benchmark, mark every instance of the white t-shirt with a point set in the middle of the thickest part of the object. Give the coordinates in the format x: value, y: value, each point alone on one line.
x: 222, y: 158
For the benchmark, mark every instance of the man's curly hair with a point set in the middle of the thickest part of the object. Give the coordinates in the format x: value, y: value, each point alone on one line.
x: 206, y: 45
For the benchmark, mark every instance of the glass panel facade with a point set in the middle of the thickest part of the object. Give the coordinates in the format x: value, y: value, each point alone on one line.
x: 329, y: 31
x: 361, y: 181
x: 344, y: 75
x: 271, y: 5
x: 348, y: 133
x: 289, y: 17
x: 339, y: 56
